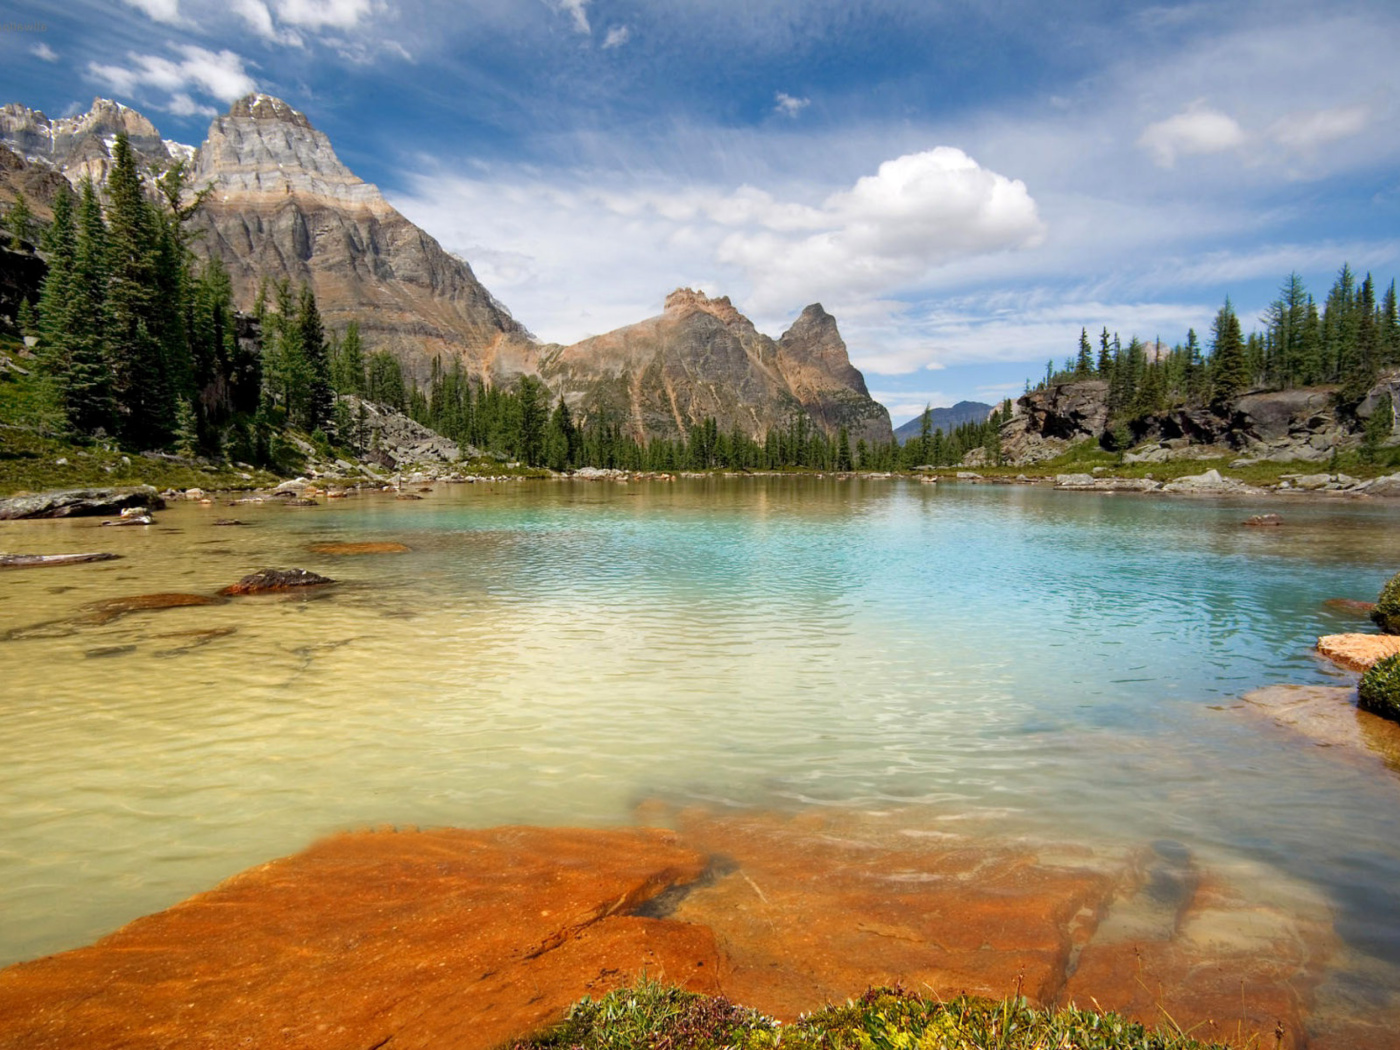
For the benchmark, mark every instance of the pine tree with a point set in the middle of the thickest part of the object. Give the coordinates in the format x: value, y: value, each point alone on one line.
x: 19, y: 220
x: 1084, y: 363
x: 1229, y: 370
x: 320, y: 396
x: 1105, y: 362
x: 348, y: 374
x: 89, y: 397
x: 135, y: 280
x: 1361, y: 361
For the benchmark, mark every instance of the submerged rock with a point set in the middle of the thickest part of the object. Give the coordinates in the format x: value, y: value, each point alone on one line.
x: 110, y: 609
x: 448, y: 938
x: 266, y: 580
x: 1351, y: 607
x: 73, y: 503
x: 1263, y: 521
x: 33, y: 561
x: 358, y: 548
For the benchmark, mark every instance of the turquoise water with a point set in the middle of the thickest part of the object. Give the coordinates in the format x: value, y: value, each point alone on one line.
x: 1027, y: 663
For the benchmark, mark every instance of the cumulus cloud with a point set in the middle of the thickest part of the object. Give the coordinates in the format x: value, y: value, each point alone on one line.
x: 1306, y: 131
x: 617, y: 36
x: 889, y: 230
x: 167, y: 11
x: 578, y: 11
x: 45, y: 52
x: 789, y: 106
x: 219, y: 74
x: 1196, y: 130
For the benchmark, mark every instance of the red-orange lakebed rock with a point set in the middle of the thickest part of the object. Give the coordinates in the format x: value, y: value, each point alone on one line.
x: 358, y: 548
x: 266, y: 580
x: 441, y: 938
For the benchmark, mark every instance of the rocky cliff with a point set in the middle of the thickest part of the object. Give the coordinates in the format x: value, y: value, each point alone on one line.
x: 1274, y: 425
x: 701, y: 358
x: 280, y: 204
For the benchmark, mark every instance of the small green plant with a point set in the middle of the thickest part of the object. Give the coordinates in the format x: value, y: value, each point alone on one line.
x: 1387, y: 611
x: 1379, y: 691
x: 652, y: 1016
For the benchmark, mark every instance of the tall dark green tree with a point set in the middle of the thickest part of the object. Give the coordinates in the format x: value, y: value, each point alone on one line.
x: 319, y: 408
x: 1084, y: 363
x: 19, y: 220
x: 1229, y: 369
x: 137, y: 277
x: 348, y: 362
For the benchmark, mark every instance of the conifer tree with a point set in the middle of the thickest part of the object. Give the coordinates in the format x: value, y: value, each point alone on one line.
x: 19, y: 220
x: 320, y: 396
x: 1105, y: 362
x: 1229, y: 370
x: 136, y: 279
x: 348, y: 373
x: 1084, y: 363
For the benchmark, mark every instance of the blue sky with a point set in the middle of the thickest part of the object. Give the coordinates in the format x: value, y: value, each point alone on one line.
x: 962, y: 184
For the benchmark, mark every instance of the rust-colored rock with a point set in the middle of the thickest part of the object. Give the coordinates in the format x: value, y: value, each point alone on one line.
x: 1357, y: 652
x: 358, y: 548
x: 1351, y: 607
x: 267, y: 580
x: 109, y: 609
x: 819, y: 908
x: 1221, y: 968
x: 426, y: 939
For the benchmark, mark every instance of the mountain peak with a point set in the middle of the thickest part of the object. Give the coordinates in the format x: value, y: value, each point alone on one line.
x: 688, y: 300
x: 258, y: 106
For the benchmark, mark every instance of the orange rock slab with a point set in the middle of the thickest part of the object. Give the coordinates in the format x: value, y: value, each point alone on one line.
x: 818, y: 908
x: 1357, y: 652
x: 412, y: 939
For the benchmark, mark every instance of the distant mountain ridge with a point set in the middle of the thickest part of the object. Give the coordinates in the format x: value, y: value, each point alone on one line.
x: 281, y: 205
x: 945, y: 419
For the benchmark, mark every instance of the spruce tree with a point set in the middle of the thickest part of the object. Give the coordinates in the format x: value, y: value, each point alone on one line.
x: 137, y: 275
x: 348, y: 375
x: 1084, y: 363
x: 320, y: 396
x: 19, y: 220
x: 1229, y: 370
x: 1105, y: 362
x: 1359, y: 371
x: 89, y: 397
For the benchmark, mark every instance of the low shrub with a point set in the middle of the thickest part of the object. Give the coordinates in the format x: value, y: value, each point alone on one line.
x: 1387, y: 611
x: 1379, y: 692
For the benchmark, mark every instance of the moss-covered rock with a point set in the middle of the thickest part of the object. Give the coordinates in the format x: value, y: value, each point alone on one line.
x: 1387, y: 611
x: 1380, y: 688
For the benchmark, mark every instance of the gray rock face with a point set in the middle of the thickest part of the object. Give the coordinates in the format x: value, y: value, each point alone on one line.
x: 73, y: 503
x: 1387, y: 385
x: 1046, y: 422
x: 82, y: 145
x: 401, y: 439
x: 812, y: 358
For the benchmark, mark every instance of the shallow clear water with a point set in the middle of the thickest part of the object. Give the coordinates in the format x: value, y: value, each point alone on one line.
x: 1029, y: 662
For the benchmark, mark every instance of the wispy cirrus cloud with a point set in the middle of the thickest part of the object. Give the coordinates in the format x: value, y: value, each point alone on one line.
x: 195, y: 70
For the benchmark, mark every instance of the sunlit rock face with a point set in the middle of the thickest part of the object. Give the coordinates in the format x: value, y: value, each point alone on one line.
x: 701, y: 358
x: 81, y: 146
x: 281, y: 205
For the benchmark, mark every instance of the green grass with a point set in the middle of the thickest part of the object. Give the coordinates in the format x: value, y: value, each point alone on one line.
x: 652, y: 1016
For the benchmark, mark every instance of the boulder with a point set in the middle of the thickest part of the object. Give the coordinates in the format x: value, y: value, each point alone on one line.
x: 1357, y: 652
x: 1389, y: 485
x: 1379, y: 691
x: 1263, y: 521
x: 1386, y: 614
x: 72, y: 503
x: 266, y: 580
x: 1210, y: 483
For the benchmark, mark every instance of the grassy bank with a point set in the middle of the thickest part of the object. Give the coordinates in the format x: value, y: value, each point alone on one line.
x: 652, y: 1016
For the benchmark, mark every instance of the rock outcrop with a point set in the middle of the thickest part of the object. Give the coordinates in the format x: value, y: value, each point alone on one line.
x: 701, y: 358
x: 74, y: 503
x: 1045, y: 423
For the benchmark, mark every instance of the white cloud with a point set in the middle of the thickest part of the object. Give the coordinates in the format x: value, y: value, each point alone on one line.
x: 617, y: 36
x: 45, y: 52
x: 258, y: 17
x: 167, y: 11
x: 578, y: 11
x: 789, y: 106
x: 1197, y: 129
x: 888, y: 231
x: 1306, y: 131
x: 183, y: 106
x: 219, y: 74
x: 321, y: 14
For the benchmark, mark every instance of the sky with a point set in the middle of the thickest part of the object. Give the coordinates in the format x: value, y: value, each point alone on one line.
x: 963, y: 185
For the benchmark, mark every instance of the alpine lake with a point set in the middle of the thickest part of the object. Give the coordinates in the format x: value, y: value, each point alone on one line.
x: 984, y: 664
